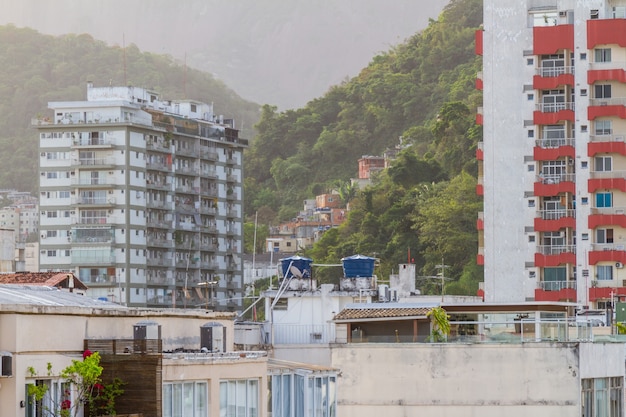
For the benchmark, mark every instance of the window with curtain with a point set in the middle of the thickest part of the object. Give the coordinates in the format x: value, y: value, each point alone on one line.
x: 239, y: 398
x: 185, y: 399
x: 602, y: 397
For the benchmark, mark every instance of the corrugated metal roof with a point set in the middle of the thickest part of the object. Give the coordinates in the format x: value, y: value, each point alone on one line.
x: 38, y: 295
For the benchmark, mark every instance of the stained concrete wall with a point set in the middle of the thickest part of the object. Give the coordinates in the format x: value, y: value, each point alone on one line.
x: 538, y: 379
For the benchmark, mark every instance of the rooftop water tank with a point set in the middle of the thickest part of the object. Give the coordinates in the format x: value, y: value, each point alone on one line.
x: 303, y: 265
x: 358, y: 266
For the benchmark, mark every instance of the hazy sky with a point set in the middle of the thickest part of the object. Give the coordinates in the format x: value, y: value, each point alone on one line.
x: 282, y: 52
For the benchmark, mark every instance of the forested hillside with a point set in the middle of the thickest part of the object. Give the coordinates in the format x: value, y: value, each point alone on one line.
x: 422, y: 91
x: 36, y: 69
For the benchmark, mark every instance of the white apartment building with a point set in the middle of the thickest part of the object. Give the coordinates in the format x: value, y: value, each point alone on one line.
x: 553, y: 158
x: 142, y: 199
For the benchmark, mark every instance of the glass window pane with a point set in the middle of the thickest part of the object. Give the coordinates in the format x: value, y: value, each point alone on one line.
x: 177, y: 400
x: 223, y: 399
x: 241, y: 398
x: 167, y: 400
x: 253, y: 398
x: 201, y: 409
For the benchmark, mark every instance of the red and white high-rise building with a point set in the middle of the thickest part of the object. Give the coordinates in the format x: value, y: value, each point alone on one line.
x: 552, y: 165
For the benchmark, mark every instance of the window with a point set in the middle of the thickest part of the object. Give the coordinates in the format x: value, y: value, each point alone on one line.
x: 51, y: 214
x: 604, y: 236
x: 604, y: 272
x: 602, y: 55
x: 52, y: 253
x: 583, y: 128
x: 583, y: 92
x: 239, y: 398
x: 602, y: 90
x: 603, y: 127
x: 51, y: 175
x: 302, y: 395
x: 531, y: 203
x: 604, y: 200
x: 187, y: 399
x: 603, y: 163
x: 64, y: 194
x: 56, y: 393
x: 531, y: 238
x: 583, y: 56
x: 51, y: 233
x: 531, y: 168
x: 530, y: 97
x: 531, y: 133
x: 602, y: 397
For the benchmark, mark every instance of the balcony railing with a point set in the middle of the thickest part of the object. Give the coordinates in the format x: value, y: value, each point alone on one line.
x: 555, y: 214
x: 303, y: 334
x: 613, y: 101
x: 600, y: 247
x: 554, y: 143
x: 556, y: 285
x: 555, y: 249
x: 607, y: 174
x: 555, y: 178
x: 554, y: 107
x: 553, y: 71
x: 620, y: 211
x: 607, y: 138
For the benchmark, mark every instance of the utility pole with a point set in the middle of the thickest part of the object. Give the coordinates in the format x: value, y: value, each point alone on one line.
x: 442, y: 274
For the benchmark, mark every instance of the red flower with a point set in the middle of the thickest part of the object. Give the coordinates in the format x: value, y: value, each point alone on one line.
x: 66, y: 405
x: 86, y: 353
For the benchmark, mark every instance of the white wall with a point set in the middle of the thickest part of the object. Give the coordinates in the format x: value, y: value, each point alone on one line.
x: 425, y: 380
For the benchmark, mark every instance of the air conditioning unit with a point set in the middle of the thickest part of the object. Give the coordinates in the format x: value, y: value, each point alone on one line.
x: 562, y: 13
x: 43, y: 154
x: 6, y: 364
x: 619, y: 265
x: 619, y: 138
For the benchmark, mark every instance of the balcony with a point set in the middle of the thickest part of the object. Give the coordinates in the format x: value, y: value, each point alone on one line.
x: 159, y: 204
x: 555, y: 220
x: 607, y: 107
x: 606, y: 32
x: 553, y: 185
x: 553, y: 149
x: 606, y: 144
x: 607, y: 252
x: 207, y: 154
x: 158, y: 185
x: 479, y: 81
x: 159, y: 261
x: 478, y: 38
x: 94, y: 163
x: 612, y: 180
x: 101, y: 142
x: 157, y: 146
x: 99, y: 220
x: 158, y: 224
x: 553, y: 113
x: 188, y: 170
x: 549, y: 78
x: 555, y: 255
x: 479, y: 151
x: 480, y: 190
x: 189, y: 151
x: 610, y: 216
x: 208, y: 173
x: 556, y: 291
x: 600, y: 72
x: 548, y: 40
x: 159, y: 243
x: 607, y: 293
x: 480, y: 222
x: 94, y: 201
x: 158, y: 166
x: 91, y: 258
x: 93, y: 182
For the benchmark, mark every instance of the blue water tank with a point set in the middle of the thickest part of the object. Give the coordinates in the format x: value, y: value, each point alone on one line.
x: 303, y: 265
x: 358, y: 266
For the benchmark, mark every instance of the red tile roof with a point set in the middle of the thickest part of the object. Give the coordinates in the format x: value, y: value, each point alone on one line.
x: 376, y: 313
x: 48, y: 279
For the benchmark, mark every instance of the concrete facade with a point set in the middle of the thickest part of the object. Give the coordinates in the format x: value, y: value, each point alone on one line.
x: 142, y: 198
x: 552, y: 157
x: 469, y: 380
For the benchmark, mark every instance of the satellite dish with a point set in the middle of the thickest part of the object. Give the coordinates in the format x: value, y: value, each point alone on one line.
x: 295, y: 271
